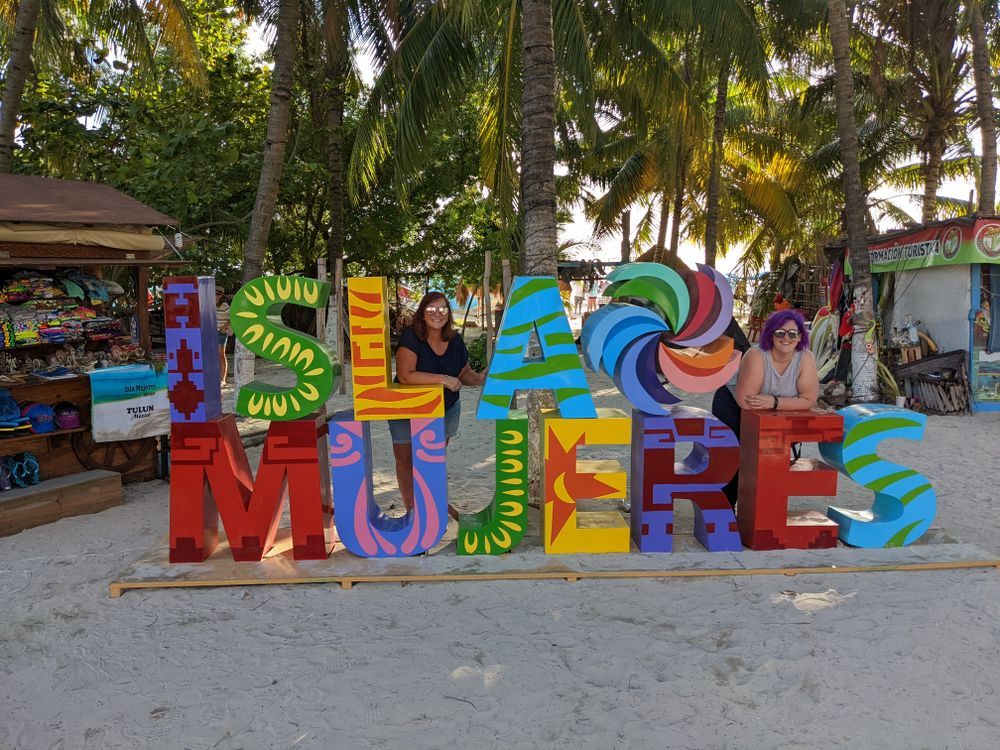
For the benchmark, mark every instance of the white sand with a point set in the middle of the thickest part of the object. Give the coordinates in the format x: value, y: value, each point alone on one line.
x: 877, y: 660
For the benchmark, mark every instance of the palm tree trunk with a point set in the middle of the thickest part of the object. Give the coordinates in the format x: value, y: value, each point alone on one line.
x: 932, y: 174
x: 777, y: 252
x: 863, y: 363
x: 285, y: 52
x: 715, y: 166
x: 626, y: 236
x: 538, y: 186
x: 683, y: 157
x: 15, y: 77
x: 661, y: 234
x: 335, y: 161
x: 987, y: 113
x: 538, y: 149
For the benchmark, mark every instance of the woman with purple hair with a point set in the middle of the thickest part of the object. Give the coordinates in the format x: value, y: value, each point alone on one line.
x: 779, y: 374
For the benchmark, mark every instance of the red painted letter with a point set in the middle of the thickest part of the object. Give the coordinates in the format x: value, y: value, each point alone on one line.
x: 767, y: 479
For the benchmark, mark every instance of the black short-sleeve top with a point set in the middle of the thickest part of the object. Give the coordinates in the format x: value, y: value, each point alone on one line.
x: 452, y: 362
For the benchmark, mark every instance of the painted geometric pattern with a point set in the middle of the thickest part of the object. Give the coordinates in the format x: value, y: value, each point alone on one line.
x: 658, y: 479
x: 676, y: 335
x: 768, y: 479
x: 375, y: 397
x: 535, y: 305
x: 500, y: 526
x: 905, y: 502
x: 361, y: 525
x: 192, y: 348
x: 255, y: 315
x: 565, y: 529
x: 211, y: 478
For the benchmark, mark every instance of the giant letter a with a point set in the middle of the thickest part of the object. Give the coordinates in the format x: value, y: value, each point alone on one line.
x: 535, y: 306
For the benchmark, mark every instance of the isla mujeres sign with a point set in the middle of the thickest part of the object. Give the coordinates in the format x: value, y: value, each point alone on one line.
x: 663, y: 328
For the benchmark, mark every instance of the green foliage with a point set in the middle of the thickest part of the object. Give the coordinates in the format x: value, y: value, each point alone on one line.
x: 433, y: 146
x: 477, y: 353
x: 191, y: 153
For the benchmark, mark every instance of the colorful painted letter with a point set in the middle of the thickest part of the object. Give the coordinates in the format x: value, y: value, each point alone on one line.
x: 192, y: 349
x: 375, y: 397
x: 767, y: 479
x: 210, y: 476
x: 361, y: 526
x: 657, y: 479
x: 564, y: 529
x: 256, y: 319
x: 905, y: 502
x: 500, y: 526
x: 535, y: 305
x: 679, y: 332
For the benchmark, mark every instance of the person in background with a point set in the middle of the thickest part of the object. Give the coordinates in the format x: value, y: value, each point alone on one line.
x: 225, y: 331
x: 780, y: 303
x: 779, y: 374
x: 430, y: 352
x: 577, y: 286
x: 593, y: 292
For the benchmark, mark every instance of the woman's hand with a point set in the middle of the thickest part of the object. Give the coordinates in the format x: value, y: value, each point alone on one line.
x: 760, y: 401
x: 468, y: 376
x: 452, y: 384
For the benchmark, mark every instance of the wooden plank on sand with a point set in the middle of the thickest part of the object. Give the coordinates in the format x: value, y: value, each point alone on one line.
x: 62, y: 497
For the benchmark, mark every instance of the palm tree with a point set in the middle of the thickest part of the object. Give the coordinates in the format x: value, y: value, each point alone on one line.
x: 450, y: 50
x: 122, y: 24
x: 714, y: 168
x: 922, y: 50
x: 538, y: 145
x: 668, y: 131
x: 15, y: 77
x: 282, y: 79
x: 865, y: 386
x: 982, y: 71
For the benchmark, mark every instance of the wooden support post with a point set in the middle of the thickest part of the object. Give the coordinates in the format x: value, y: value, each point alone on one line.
x: 487, y: 307
x: 506, y: 279
x: 142, y: 308
x: 321, y: 311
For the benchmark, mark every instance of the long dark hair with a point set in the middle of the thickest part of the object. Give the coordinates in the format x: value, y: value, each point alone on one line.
x: 448, y: 332
x: 778, y: 319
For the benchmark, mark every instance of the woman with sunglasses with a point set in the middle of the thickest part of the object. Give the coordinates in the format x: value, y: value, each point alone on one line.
x: 779, y: 374
x: 430, y: 352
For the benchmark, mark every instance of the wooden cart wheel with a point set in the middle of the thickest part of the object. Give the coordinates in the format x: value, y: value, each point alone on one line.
x: 121, y: 456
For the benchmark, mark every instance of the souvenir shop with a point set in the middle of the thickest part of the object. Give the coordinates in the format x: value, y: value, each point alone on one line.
x: 75, y: 348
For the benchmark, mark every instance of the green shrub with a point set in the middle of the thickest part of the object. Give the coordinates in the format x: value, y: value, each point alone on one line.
x: 477, y: 353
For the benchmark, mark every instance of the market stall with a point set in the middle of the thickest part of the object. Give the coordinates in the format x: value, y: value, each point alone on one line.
x: 935, y: 285
x: 74, y: 279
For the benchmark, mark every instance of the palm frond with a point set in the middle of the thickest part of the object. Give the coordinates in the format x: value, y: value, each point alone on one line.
x: 500, y: 117
x: 574, y: 62
x: 636, y: 177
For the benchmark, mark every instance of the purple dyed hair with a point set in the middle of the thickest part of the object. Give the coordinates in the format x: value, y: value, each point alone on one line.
x: 775, y: 321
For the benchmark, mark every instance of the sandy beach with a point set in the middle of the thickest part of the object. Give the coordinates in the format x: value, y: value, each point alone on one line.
x: 874, y: 660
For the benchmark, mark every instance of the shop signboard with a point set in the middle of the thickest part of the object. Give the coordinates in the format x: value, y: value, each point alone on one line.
x: 949, y: 244
x: 129, y: 403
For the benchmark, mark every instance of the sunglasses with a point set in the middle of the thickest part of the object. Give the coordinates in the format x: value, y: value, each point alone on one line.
x: 435, y: 310
x: 781, y: 333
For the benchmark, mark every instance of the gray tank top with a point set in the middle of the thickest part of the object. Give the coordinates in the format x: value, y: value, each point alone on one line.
x: 784, y: 385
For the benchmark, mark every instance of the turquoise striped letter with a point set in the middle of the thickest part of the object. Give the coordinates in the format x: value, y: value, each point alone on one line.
x: 535, y: 305
x: 905, y: 503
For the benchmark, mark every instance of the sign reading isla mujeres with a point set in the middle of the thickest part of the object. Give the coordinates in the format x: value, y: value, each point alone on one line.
x: 663, y: 327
